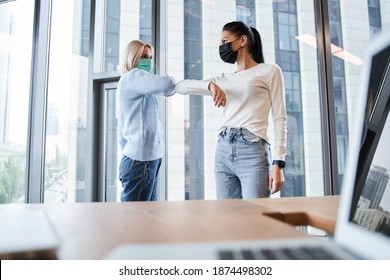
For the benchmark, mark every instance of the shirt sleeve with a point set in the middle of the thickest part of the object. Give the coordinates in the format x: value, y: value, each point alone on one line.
x: 279, y: 114
x: 144, y: 83
x: 193, y: 87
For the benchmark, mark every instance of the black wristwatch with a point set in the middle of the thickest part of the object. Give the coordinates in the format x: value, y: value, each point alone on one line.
x: 280, y: 163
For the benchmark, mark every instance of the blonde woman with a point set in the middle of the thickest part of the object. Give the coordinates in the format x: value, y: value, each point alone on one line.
x: 140, y: 131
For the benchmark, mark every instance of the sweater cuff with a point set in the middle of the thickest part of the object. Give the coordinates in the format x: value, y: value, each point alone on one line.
x: 280, y: 153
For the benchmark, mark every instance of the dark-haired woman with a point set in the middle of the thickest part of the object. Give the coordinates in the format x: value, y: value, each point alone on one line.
x: 244, y: 167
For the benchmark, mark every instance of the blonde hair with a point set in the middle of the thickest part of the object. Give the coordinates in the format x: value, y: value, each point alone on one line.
x: 132, y: 53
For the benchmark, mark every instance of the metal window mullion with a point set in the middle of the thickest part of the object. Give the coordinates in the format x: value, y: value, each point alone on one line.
x: 106, y: 85
x: 38, y: 103
x: 159, y: 35
x: 328, y: 113
x: 91, y: 189
x: 102, y: 161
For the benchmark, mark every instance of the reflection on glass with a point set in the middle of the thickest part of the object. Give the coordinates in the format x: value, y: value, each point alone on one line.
x: 373, y: 209
x: 372, y: 186
x: 112, y: 27
x: 339, y: 85
x: 367, y: 19
x: 287, y: 57
x: 16, y: 27
x: 374, y: 15
x: 124, y: 21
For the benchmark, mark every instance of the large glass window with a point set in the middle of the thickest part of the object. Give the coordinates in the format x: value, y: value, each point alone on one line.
x: 288, y: 32
x: 66, y: 117
x: 287, y: 29
x: 287, y: 55
x: 66, y: 132
x: 124, y: 21
x: 352, y: 26
x: 16, y: 29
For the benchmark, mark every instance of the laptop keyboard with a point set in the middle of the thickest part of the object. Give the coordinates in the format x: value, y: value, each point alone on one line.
x: 298, y: 253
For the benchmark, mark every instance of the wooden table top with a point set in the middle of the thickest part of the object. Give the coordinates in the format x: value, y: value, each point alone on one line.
x: 319, y: 211
x: 91, y: 230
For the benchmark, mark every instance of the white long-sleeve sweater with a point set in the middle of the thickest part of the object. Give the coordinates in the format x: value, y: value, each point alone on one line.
x: 251, y: 95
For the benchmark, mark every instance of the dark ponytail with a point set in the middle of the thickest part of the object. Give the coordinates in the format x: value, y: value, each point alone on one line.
x: 257, y: 52
x: 255, y: 47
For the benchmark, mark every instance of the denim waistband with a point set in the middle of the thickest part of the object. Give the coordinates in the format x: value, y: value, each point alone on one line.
x: 230, y: 133
x: 234, y: 131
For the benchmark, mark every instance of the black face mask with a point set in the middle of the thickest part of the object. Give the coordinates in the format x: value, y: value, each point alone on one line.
x: 227, y: 54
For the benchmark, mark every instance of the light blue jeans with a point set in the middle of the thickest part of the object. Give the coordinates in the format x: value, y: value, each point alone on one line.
x: 242, y: 165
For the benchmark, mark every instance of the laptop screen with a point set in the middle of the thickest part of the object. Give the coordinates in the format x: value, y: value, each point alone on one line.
x: 371, y: 203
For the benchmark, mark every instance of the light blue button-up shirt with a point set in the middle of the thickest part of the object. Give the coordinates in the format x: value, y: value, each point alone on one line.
x: 141, y: 134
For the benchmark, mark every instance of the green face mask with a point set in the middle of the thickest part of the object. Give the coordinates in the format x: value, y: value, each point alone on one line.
x: 145, y: 64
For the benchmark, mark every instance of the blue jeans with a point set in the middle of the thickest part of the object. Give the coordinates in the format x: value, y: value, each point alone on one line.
x: 242, y: 165
x: 139, y: 179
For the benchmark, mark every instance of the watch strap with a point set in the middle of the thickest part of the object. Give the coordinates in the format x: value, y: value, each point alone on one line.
x: 280, y: 163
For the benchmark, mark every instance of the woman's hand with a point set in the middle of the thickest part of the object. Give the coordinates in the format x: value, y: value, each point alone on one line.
x: 276, y: 179
x: 219, y: 96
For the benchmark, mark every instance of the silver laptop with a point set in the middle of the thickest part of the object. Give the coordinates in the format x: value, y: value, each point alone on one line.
x: 363, y: 222
x: 27, y: 234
